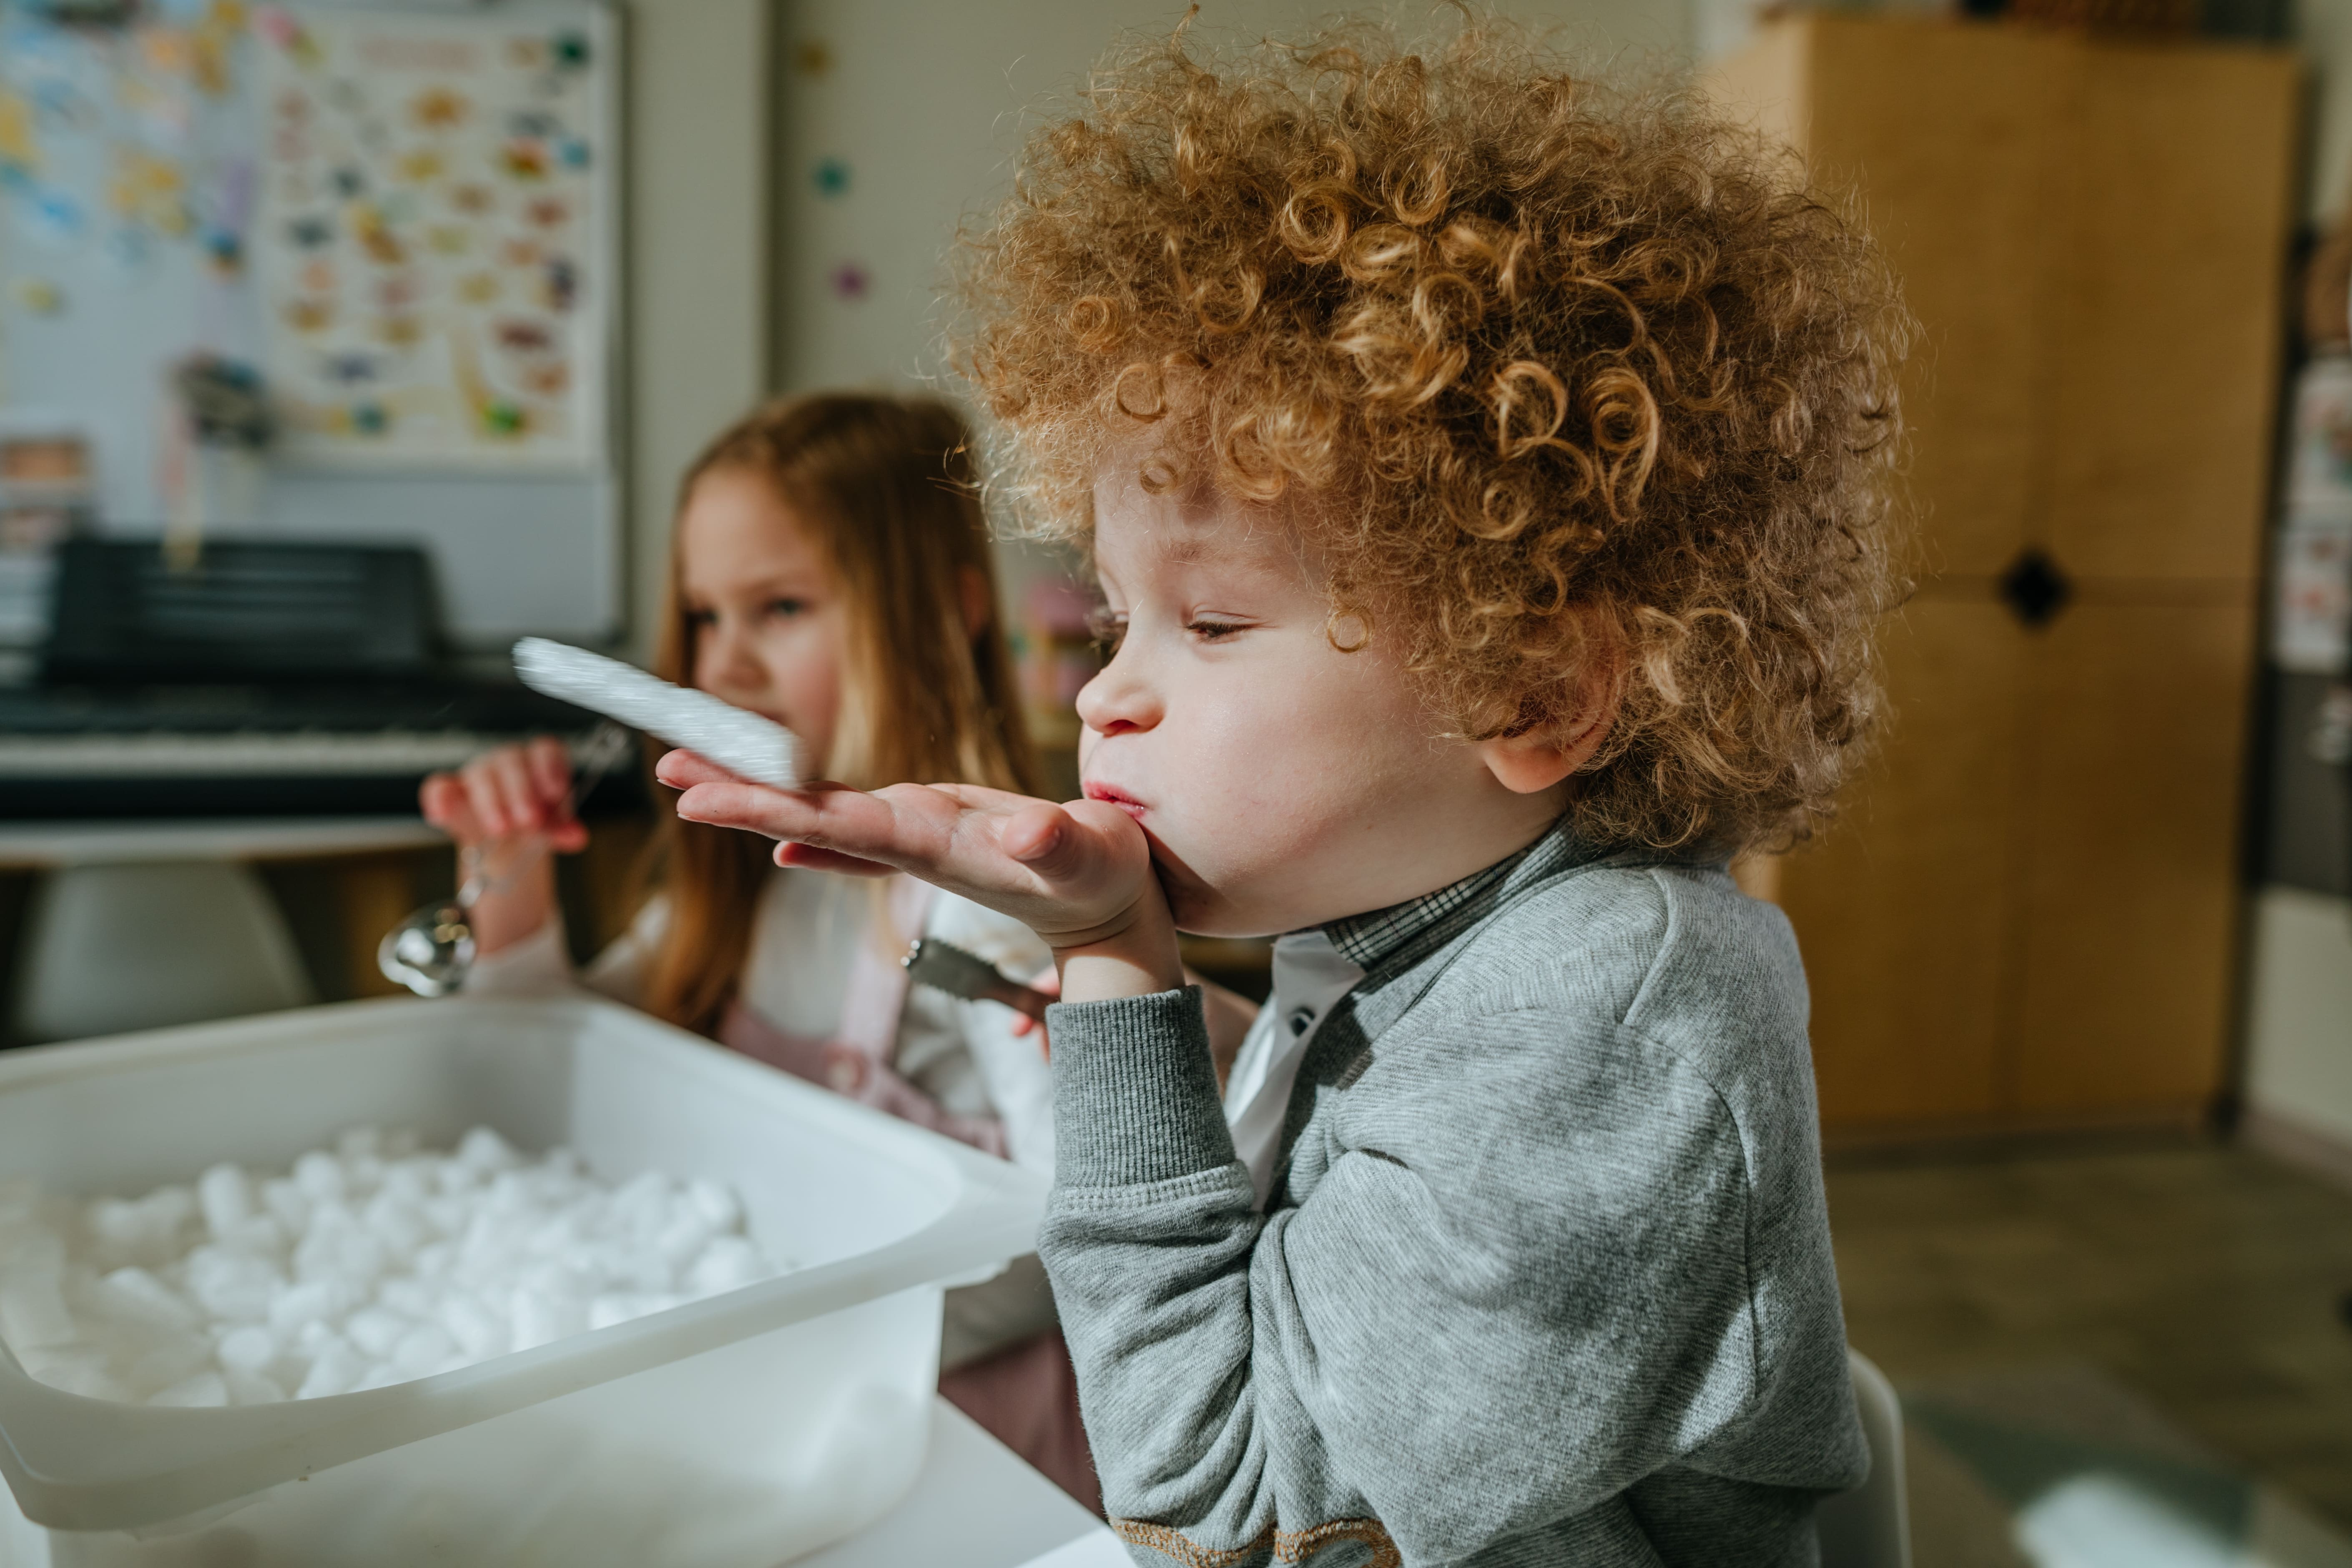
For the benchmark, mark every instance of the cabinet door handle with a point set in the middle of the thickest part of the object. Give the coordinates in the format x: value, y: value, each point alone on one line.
x: 2034, y: 589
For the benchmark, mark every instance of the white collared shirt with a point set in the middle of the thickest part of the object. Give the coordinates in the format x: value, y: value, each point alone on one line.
x: 1311, y: 975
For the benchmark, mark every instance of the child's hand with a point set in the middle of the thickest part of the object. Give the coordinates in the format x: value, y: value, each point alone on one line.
x: 507, y: 809
x: 1050, y: 984
x: 1078, y: 875
x: 509, y: 792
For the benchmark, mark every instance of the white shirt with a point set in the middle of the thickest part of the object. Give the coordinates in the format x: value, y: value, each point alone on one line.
x: 1309, y: 978
x: 962, y: 1054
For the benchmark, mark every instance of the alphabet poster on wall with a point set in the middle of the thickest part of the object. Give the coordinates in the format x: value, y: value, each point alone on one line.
x: 428, y: 240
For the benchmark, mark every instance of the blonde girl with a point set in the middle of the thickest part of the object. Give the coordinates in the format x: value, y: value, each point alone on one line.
x: 829, y: 568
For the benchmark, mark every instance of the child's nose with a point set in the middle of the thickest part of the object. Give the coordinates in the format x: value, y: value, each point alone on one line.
x: 724, y: 661
x: 1117, y: 698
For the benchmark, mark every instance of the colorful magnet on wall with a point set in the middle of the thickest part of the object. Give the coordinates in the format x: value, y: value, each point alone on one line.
x: 400, y: 332
x: 349, y: 182
x: 549, y: 380
x: 351, y: 368
x: 812, y: 57
x: 309, y: 233
x: 223, y: 251
x: 310, y: 315
x: 548, y: 212
x: 319, y: 277
x: 524, y: 159
x: 573, y: 152
x: 479, y: 288
x: 449, y: 238
x: 502, y: 418
x: 523, y: 337
x: 524, y: 53
x: 831, y: 177
x: 475, y: 200
x: 370, y: 420
x: 519, y: 253
x: 569, y: 51
x: 419, y: 166
x: 439, y: 107
x: 37, y: 296
x: 18, y: 150
x: 562, y: 284
x: 533, y: 124
x: 851, y: 281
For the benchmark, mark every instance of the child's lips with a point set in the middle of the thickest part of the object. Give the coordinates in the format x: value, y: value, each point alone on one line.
x: 1118, y: 797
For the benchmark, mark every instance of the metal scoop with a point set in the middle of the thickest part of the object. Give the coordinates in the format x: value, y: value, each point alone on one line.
x: 943, y: 966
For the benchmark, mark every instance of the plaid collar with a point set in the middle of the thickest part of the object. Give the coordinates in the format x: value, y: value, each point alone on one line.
x: 1371, y: 941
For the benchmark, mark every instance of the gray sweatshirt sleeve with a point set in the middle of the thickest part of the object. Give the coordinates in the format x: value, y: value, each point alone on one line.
x: 1515, y: 1284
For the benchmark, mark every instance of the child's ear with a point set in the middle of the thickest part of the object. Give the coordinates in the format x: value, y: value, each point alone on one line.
x: 1533, y: 759
x: 975, y: 601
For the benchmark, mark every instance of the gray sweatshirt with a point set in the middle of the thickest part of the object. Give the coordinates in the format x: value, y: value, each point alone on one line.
x: 1545, y: 1277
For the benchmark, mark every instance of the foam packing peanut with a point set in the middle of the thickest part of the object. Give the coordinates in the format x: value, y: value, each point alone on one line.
x: 369, y: 1264
x: 749, y: 745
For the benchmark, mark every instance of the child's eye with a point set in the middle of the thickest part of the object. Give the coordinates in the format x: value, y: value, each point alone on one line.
x: 786, y: 608
x: 698, y: 620
x: 1215, y: 631
x: 1107, y: 627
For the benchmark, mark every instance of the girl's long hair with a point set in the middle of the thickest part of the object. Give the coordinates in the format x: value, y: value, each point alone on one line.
x: 885, y: 487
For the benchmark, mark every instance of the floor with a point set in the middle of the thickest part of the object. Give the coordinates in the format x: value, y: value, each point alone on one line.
x: 2202, y: 1284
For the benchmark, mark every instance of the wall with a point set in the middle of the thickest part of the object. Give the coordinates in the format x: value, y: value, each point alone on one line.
x: 925, y: 102
x: 699, y: 252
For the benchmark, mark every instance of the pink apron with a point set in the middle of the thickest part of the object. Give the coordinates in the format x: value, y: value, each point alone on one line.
x: 1025, y: 1395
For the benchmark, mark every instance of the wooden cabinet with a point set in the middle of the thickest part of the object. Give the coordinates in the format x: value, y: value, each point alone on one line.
x: 2027, y: 912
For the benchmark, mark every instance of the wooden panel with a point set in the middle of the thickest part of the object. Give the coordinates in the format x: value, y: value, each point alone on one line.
x: 2173, y: 175
x: 1902, y: 906
x: 1941, y: 128
x: 2129, y: 923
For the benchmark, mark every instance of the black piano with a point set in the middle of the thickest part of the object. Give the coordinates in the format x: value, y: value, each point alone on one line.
x: 251, y: 678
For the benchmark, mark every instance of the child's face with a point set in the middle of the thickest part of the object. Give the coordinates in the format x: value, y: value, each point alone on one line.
x: 767, y: 616
x: 1282, y: 782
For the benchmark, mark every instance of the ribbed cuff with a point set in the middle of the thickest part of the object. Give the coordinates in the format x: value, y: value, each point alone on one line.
x: 1135, y: 1093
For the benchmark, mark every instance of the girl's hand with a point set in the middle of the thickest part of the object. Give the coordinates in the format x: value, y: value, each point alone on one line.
x: 507, y: 809
x: 510, y: 793
x: 1078, y: 875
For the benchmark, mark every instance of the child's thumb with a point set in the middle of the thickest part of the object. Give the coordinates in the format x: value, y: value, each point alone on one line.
x: 1046, y: 839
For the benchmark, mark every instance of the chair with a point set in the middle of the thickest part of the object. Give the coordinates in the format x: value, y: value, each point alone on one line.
x: 1870, y: 1527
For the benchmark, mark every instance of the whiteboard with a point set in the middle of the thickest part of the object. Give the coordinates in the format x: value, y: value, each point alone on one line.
x: 145, y: 225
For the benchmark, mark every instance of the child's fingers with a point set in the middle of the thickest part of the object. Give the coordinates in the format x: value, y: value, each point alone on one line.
x: 551, y: 774
x: 448, y: 806
x: 684, y: 769
x: 510, y: 770
x: 1072, y: 847
x: 831, y: 818
x: 791, y: 854
x: 487, y: 795
x: 549, y: 766
x: 1050, y: 985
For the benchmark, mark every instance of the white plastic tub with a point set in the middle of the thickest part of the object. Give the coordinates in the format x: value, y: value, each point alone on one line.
x: 737, y: 1432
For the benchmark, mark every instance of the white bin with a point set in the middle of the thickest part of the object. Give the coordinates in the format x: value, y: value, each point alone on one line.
x: 737, y: 1432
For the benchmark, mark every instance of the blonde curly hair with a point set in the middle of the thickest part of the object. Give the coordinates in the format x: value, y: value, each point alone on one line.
x: 1564, y: 378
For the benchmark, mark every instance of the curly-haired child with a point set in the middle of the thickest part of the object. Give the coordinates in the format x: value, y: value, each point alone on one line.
x: 1487, y: 474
